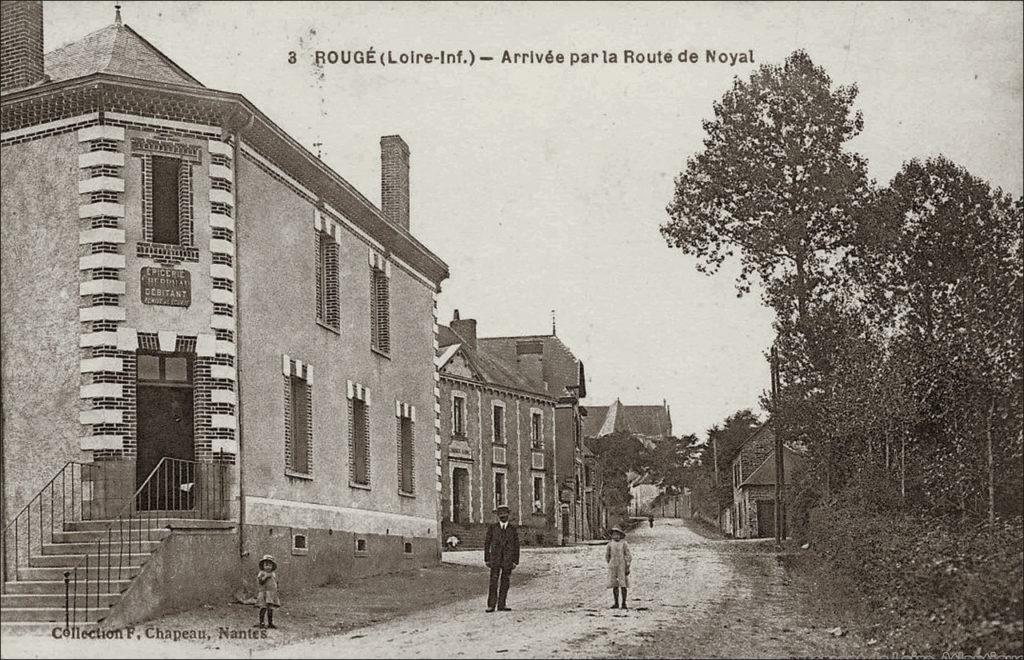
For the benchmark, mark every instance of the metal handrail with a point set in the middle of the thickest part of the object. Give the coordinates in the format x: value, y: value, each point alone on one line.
x: 172, y: 496
x: 24, y: 519
x: 39, y: 493
x: 167, y: 476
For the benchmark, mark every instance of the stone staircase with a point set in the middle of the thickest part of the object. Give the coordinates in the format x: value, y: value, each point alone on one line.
x: 37, y: 594
x: 471, y: 535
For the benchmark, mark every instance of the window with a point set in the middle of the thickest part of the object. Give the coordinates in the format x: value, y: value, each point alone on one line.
x: 458, y: 415
x: 165, y: 173
x: 359, y: 437
x: 299, y: 431
x: 299, y: 546
x: 408, y: 547
x: 298, y: 418
x: 406, y: 459
x: 498, y: 417
x: 736, y: 474
x: 380, y: 309
x: 328, y: 309
x: 538, y: 494
x: 361, y: 547
x: 166, y: 368
x: 537, y: 430
x: 499, y: 489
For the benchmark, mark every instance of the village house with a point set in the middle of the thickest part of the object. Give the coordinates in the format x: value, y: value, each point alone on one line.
x: 497, y: 442
x: 647, y: 424
x: 752, y: 514
x: 205, y: 330
x: 548, y: 362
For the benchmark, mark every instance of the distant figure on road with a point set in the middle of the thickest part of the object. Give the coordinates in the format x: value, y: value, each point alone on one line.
x: 650, y: 519
x: 618, y: 557
x: 501, y: 554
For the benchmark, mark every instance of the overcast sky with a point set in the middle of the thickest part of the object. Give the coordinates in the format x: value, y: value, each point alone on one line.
x: 543, y: 186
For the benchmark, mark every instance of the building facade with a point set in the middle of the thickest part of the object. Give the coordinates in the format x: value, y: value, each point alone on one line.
x: 498, y: 440
x: 548, y: 362
x: 190, y: 296
x: 752, y: 514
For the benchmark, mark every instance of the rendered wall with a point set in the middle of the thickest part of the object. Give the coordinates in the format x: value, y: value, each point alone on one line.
x: 277, y: 316
x: 39, y: 324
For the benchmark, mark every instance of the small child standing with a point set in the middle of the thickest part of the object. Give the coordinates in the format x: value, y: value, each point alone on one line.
x: 266, y: 590
x: 618, y: 557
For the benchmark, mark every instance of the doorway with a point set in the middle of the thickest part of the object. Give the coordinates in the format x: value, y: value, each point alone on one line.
x: 765, y: 519
x: 164, y: 406
x: 460, y: 496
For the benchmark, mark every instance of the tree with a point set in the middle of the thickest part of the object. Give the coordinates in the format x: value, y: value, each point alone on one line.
x: 709, y: 490
x: 774, y: 183
x: 668, y: 462
x: 938, y: 261
x: 616, y: 454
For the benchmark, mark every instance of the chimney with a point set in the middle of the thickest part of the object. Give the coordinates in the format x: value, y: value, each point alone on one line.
x: 394, y: 179
x: 465, y: 329
x: 21, y: 44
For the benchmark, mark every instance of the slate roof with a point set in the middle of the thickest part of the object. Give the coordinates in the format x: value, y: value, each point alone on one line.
x: 489, y: 367
x: 561, y: 370
x: 641, y: 420
x: 116, y: 49
x: 765, y: 474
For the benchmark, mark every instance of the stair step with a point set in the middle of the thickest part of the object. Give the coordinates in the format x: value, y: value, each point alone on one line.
x: 153, y: 522
x: 48, y: 573
x: 68, y: 561
x: 86, y: 536
x: 112, y: 549
x: 54, y: 600
x: 9, y: 629
x: 53, y: 614
x: 57, y: 586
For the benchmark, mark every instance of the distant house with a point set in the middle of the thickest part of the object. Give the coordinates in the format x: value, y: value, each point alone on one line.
x: 548, y: 362
x: 648, y: 424
x: 752, y: 514
x: 497, y: 441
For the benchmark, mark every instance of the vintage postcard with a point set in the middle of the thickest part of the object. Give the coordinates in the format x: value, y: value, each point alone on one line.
x: 511, y: 330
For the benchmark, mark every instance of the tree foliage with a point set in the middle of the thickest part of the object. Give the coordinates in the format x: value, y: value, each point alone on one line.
x: 774, y: 184
x: 897, y: 308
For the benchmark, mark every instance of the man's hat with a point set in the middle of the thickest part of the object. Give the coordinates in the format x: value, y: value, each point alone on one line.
x: 267, y: 558
x: 617, y: 529
x: 501, y: 507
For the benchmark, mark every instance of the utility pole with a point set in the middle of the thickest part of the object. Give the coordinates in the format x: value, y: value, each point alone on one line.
x: 780, y: 477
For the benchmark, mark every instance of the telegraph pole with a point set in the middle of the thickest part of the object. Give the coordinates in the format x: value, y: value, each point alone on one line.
x: 780, y: 477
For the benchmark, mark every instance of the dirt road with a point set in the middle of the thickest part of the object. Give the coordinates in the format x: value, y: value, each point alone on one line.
x: 690, y: 596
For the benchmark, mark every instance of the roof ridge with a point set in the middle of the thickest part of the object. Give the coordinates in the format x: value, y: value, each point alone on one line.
x: 166, y: 58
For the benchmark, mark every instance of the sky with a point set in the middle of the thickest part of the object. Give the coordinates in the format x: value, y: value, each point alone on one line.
x: 543, y: 186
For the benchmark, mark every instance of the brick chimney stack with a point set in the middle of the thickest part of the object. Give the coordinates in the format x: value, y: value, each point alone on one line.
x: 465, y: 329
x: 394, y: 179
x: 21, y: 44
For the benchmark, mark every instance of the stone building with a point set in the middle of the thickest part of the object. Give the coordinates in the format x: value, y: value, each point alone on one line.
x: 205, y: 329
x: 498, y: 442
x: 752, y: 514
x: 548, y: 362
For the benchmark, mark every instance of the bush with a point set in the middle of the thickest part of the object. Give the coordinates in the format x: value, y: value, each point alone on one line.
x: 936, y: 586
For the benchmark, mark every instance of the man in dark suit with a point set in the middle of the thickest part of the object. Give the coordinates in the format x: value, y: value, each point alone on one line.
x: 501, y: 554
